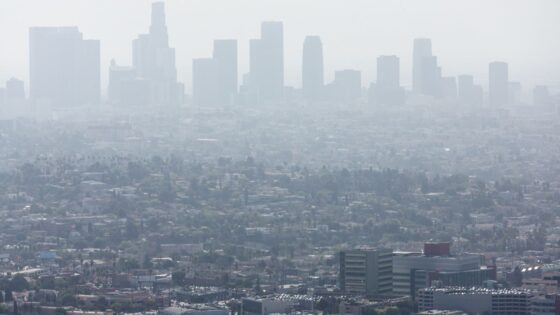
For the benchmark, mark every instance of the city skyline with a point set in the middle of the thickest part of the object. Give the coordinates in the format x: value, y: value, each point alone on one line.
x: 259, y: 157
x: 397, y: 40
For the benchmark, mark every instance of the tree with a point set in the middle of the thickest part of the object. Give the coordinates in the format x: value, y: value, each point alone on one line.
x: 147, y: 264
x: 18, y: 283
x: 178, y: 278
x: 166, y: 193
x: 257, y: 287
x: 60, y: 311
x: 8, y: 295
x: 517, y: 277
x: 392, y: 311
x: 68, y: 299
x: 369, y: 311
x: 101, y: 303
x: 131, y: 232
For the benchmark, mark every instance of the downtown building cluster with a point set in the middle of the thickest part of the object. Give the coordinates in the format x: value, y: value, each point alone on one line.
x: 384, y: 272
x: 441, y: 283
x: 65, y: 72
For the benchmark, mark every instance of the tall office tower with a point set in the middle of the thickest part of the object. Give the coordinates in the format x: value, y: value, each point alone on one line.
x: 430, y: 78
x: 467, y: 92
x: 154, y: 60
x: 347, y: 86
x: 267, y: 62
x: 498, y: 93
x: 422, y: 48
x: 117, y: 76
x: 388, y: 72
x: 215, y: 79
x: 312, y: 68
x: 15, y: 90
x: 387, y: 89
x: 366, y: 271
x: 126, y: 88
x: 158, y: 28
x: 64, y: 68
x: 204, y: 82
x: 413, y: 271
x: 225, y: 59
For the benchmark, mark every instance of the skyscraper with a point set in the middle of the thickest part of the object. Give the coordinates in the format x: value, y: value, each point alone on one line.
x: 430, y: 76
x: 126, y: 88
x: 387, y: 89
x: 154, y: 60
x: 267, y: 62
x: 347, y: 86
x: 312, y: 68
x: 64, y: 68
x: 225, y: 59
x: 388, y: 72
x: 422, y: 48
x: 467, y: 92
x: 498, y: 93
x: 366, y: 271
x: 215, y: 79
x: 118, y: 75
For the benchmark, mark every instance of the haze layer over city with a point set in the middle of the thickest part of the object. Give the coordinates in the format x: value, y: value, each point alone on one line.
x: 279, y: 157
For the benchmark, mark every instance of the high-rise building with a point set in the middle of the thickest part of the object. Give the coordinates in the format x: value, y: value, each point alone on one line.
x: 64, y: 68
x: 225, y: 60
x: 154, y: 61
x: 347, y: 86
x: 366, y: 271
x: 467, y: 92
x: 422, y: 48
x: 388, y: 72
x: 430, y: 76
x: 215, y: 79
x: 118, y: 76
x: 387, y: 89
x: 267, y: 62
x: 498, y: 88
x: 312, y: 68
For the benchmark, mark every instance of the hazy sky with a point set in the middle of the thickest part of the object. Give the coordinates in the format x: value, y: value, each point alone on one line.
x: 466, y: 35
